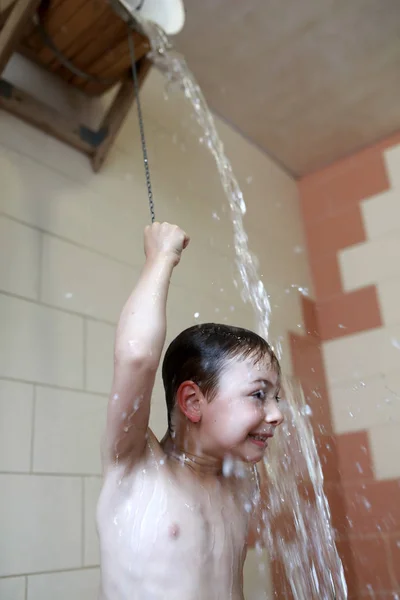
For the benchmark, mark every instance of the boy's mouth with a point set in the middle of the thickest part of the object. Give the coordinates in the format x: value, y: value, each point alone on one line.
x: 259, y: 439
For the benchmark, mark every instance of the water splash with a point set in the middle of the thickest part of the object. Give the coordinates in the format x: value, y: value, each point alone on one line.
x: 295, y: 493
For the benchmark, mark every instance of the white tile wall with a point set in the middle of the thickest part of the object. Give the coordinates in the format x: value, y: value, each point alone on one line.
x: 19, y: 258
x: 99, y: 356
x: 76, y: 585
x: 384, y: 443
x: 381, y: 213
x: 365, y: 403
x: 362, y: 355
x: 40, y: 344
x: 12, y: 588
x: 91, y: 554
x: 16, y: 412
x: 392, y: 159
x: 82, y: 281
x: 40, y: 521
x: 389, y: 300
x: 371, y: 262
x: 68, y: 427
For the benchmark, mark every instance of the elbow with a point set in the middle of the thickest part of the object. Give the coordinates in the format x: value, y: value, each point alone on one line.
x: 136, y: 357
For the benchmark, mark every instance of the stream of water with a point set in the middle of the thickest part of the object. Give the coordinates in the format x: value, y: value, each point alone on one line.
x: 296, y: 528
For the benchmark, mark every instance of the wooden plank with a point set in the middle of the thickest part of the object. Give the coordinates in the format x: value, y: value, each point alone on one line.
x: 117, y: 113
x: 34, y: 112
x: 14, y: 28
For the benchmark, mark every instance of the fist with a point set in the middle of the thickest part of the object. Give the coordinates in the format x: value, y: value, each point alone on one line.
x: 163, y: 239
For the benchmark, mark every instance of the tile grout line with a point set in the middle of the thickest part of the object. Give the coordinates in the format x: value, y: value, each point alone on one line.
x: 34, y: 573
x: 31, y: 462
x: 57, y: 308
x: 40, y: 265
x: 83, y: 524
x: 251, y: 229
x: 84, y: 356
x: 54, y: 386
x: 51, y: 474
x: 26, y: 587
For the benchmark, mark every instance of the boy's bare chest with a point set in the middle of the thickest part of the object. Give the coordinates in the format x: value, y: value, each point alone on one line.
x: 193, y: 523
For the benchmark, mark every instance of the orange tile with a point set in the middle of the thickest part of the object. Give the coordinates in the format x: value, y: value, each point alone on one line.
x: 326, y: 277
x: 366, y: 565
x: 307, y: 359
x: 394, y: 549
x: 334, y: 494
x: 346, y: 556
x: 327, y: 452
x: 334, y: 233
x: 309, y: 310
x: 317, y: 398
x: 314, y: 204
x: 354, y: 458
x: 365, y: 177
x: 281, y: 586
x: 349, y: 313
x: 373, y: 507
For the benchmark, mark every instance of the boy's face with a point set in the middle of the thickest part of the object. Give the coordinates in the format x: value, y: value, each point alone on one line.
x: 243, y: 416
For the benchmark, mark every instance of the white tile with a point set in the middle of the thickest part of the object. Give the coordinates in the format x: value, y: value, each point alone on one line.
x: 91, y: 541
x: 365, y: 403
x: 392, y: 159
x: 16, y: 407
x: 362, y: 355
x: 68, y: 430
x: 257, y: 576
x: 371, y: 262
x: 19, y: 258
x: 385, y: 450
x: 99, y: 356
x: 82, y: 281
x: 107, y: 221
x: 40, y: 344
x: 381, y: 213
x: 389, y: 298
x: 40, y: 517
x: 76, y: 585
x: 12, y: 588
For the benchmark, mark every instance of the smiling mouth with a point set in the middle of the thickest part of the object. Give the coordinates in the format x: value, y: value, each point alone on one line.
x: 259, y: 440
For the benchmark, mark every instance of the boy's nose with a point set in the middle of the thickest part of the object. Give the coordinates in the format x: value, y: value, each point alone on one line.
x: 273, y: 415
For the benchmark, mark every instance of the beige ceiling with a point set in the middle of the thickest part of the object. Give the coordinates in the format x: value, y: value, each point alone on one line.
x: 308, y: 81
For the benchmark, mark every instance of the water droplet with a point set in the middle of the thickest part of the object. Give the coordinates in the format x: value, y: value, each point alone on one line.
x: 341, y: 326
x: 298, y: 249
x: 196, y: 315
x: 351, y: 414
x: 216, y: 217
x: 396, y: 343
x: 366, y: 503
x: 68, y: 295
x: 227, y: 466
x: 249, y: 179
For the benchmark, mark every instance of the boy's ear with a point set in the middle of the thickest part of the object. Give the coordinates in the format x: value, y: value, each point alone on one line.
x: 189, y: 399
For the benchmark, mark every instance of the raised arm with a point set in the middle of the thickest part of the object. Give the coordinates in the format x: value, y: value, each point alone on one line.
x: 139, y: 342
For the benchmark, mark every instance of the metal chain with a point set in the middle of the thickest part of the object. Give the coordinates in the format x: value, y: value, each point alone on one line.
x: 141, y: 127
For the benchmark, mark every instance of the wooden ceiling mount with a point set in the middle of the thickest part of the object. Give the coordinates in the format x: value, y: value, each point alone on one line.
x: 85, y: 43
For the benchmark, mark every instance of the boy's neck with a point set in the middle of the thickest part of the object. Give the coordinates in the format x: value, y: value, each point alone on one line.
x: 199, y: 463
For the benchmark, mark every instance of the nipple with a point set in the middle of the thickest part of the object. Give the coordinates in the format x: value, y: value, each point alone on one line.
x: 174, y: 530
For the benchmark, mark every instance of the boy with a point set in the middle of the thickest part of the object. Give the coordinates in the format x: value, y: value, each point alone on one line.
x: 173, y: 517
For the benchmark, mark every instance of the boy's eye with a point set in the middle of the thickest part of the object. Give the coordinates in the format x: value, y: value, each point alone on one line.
x: 260, y: 395
x: 277, y: 399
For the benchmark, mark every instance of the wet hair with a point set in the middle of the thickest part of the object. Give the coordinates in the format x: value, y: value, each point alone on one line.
x: 200, y: 353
